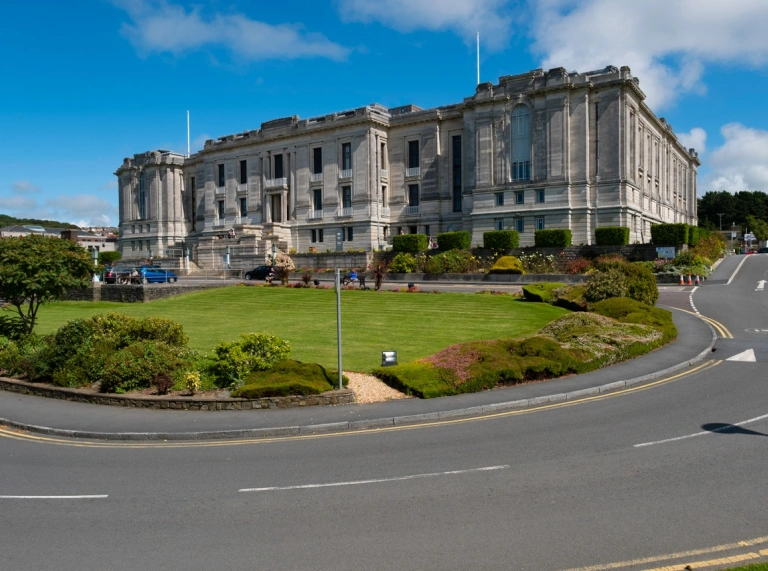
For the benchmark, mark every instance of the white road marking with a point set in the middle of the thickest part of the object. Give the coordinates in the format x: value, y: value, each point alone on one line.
x: 742, y: 423
x: 97, y: 497
x: 748, y: 356
x: 760, y: 285
x: 376, y: 481
x: 690, y: 300
x: 737, y: 270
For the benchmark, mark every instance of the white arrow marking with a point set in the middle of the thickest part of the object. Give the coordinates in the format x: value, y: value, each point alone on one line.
x: 748, y: 355
x: 760, y: 285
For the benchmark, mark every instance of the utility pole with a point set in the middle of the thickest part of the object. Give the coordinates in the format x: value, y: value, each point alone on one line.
x: 720, y: 214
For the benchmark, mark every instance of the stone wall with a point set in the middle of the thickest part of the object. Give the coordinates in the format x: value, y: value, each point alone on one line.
x: 345, y: 396
x: 134, y: 293
x: 341, y: 260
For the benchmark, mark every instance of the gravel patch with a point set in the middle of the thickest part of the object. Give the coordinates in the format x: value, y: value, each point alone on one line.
x: 368, y: 389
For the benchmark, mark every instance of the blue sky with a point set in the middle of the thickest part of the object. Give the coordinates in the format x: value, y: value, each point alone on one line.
x: 89, y: 82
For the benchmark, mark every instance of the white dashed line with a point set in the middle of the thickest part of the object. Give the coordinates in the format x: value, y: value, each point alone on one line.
x: 99, y: 497
x: 376, y: 481
x: 690, y: 300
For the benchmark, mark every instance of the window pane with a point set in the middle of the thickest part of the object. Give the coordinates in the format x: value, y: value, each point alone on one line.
x: 413, y: 154
x: 457, y: 174
x: 413, y: 194
x: 243, y: 172
x: 221, y: 175
x: 278, y: 166
x: 317, y: 160
x: 346, y: 156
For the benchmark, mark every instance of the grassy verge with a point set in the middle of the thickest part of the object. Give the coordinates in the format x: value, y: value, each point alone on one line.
x: 414, y: 325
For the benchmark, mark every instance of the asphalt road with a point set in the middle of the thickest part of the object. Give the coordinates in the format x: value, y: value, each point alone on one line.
x: 624, y: 480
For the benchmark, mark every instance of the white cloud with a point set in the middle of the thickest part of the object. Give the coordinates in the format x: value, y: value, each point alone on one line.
x: 15, y: 204
x: 24, y: 187
x: 159, y: 26
x: 665, y: 43
x: 463, y: 17
x: 696, y: 138
x: 741, y: 162
x: 83, y: 207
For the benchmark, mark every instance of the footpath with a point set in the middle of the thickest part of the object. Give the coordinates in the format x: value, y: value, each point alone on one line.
x: 89, y: 421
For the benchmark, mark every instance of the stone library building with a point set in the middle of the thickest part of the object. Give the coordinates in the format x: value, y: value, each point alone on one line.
x: 543, y: 149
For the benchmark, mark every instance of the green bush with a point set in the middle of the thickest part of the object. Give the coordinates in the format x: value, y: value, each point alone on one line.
x: 606, y: 284
x: 507, y: 265
x: 630, y: 311
x: 451, y: 262
x: 410, y: 243
x: 137, y: 366
x: 287, y: 378
x: 571, y: 298
x: 420, y: 379
x: 501, y: 240
x: 542, y: 292
x: 108, y: 258
x: 235, y: 360
x: 693, y: 235
x: 612, y: 236
x: 460, y: 240
x: 608, y: 261
x: 403, y: 263
x: 641, y: 283
x: 553, y: 238
x: 669, y: 234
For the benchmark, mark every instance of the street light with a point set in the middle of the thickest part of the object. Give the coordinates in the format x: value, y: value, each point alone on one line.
x: 274, y: 252
x: 95, y: 256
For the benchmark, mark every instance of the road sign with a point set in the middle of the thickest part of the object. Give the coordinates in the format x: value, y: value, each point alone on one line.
x: 665, y: 252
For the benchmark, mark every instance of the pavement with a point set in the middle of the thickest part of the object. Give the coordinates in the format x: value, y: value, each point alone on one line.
x: 82, y: 420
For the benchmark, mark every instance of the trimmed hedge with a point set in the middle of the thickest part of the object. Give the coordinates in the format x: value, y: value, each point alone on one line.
x: 460, y: 240
x: 612, y: 236
x: 694, y: 233
x: 507, y: 265
x: 670, y: 234
x: 543, y: 292
x: 501, y: 240
x: 288, y: 378
x: 410, y: 243
x: 553, y: 238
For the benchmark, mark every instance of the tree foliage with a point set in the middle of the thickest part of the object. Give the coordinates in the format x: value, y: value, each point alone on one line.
x: 37, y: 269
x: 735, y: 207
x: 758, y: 227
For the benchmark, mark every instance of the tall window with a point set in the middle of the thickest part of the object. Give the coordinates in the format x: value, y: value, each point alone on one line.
x: 243, y: 172
x: 142, y: 196
x: 243, y: 207
x: 221, y: 176
x: 317, y: 199
x: 540, y: 223
x: 413, y: 154
x: 346, y: 197
x: 221, y: 210
x: 346, y: 156
x: 499, y: 198
x: 317, y: 160
x: 384, y: 155
x: 278, y: 166
x: 520, y: 225
x: 521, y: 143
x: 350, y: 234
x: 413, y: 195
x: 539, y: 196
x: 519, y: 197
x: 384, y: 198
x: 499, y: 224
x: 457, y: 173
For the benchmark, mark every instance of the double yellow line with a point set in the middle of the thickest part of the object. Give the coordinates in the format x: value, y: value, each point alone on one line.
x: 721, y: 329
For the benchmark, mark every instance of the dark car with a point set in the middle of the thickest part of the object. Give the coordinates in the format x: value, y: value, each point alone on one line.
x: 156, y: 274
x: 763, y: 251
x: 119, y: 274
x: 260, y: 273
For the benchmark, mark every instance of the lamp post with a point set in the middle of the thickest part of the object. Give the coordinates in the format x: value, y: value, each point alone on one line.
x: 274, y: 252
x: 226, y: 257
x: 720, y: 214
x: 95, y: 256
x: 150, y: 255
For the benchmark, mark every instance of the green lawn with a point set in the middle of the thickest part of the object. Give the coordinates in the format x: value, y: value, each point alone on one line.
x: 414, y: 325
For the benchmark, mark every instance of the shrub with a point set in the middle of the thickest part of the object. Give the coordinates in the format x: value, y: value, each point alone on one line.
x: 693, y: 235
x: 421, y: 379
x: 631, y: 311
x: 577, y: 266
x: 137, y: 366
x: 253, y: 352
x: 609, y: 261
x: 379, y: 270
x: 710, y: 246
x: 612, y: 236
x: 192, y: 382
x: 403, y: 263
x: 451, y: 262
x: 537, y: 263
x: 641, y: 283
x: 542, y: 292
x: 669, y: 234
x: 410, y: 243
x: 108, y: 258
x: 460, y: 240
x: 287, y: 378
x: 553, y: 238
x: 507, y: 265
x: 501, y: 240
x: 571, y: 298
x: 605, y: 284
x: 163, y: 383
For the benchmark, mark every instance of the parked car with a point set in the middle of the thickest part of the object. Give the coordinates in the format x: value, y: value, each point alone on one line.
x: 260, y: 273
x: 156, y: 274
x: 763, y: 251
x: 119, y: 274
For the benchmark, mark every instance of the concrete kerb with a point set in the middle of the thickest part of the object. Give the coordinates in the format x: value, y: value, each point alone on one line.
x: 334, y: 427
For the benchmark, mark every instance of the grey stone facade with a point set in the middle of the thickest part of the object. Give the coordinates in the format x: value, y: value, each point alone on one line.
x: 537, y: 150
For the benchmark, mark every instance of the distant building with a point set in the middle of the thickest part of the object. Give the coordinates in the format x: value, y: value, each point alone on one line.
x: 85, y: 239
x: 538, y: 150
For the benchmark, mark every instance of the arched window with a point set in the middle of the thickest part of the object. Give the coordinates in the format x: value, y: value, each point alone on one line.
x: 142, y: 196
x: 521, y: 143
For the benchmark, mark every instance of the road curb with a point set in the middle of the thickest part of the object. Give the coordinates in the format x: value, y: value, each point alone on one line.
x: 347, y: 426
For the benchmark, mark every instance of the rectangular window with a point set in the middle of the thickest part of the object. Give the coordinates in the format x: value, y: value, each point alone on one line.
x: 220, y: 211
x: 221, y: 176
x: 317, y: 199
x: 499, y: 224
x: 346, y: 156
x: 457, y: 173
x: 320, y: 235
x: 384, y: 161
x: 313, y: 236
x: 540, y: 223
x: 317, y: 160
x: 499, y: 198
x: 519, y: 197
x: 278, y: 166
x: 413, y: 230
x: 346, y: 197
x: 243, y: 207
x: 243, y: 172
x: 142, y: 196
x: 520, y: 225
x: 350, y: 234
x: 133, y: 246
x: 413, y: 195
x: 539, y: 196
x: 426, y: 229
x: 413, y: 154
x: 384, y: 199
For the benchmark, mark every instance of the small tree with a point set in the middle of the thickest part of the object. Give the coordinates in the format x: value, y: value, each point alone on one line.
x: 283, y: 267
x: 36, y: 269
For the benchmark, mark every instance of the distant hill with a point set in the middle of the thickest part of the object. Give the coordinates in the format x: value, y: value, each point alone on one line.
x: 6, y: 220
